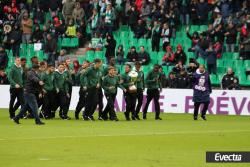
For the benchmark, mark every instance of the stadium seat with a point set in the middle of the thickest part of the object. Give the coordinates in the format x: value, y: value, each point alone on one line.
x: 99, y: 54
x: 81, y: 59
x: 213, y: 79
x: 74, y: 42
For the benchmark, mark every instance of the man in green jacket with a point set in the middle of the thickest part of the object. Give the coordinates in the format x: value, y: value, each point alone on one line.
x: 83, y: 89
x: 48, y: 91
x: 153, y: 83
x: 61, y: 90
x: 130, y: 96
x: 16, y: 86
x: 110, y: 84
x: 140, y: 88
x: 93, y: 78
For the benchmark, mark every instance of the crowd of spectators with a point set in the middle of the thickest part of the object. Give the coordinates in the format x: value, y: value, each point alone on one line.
x: 228, y: 22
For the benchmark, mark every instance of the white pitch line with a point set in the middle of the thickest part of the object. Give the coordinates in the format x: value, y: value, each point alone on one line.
x: 133, y: 134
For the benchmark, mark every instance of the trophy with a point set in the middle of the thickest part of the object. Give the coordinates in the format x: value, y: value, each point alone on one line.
x: 133, y: 78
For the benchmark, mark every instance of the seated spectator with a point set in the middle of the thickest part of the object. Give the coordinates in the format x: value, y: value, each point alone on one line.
x: 178, y: 68
x: 143, y: 56
x: 168, y: 58
x: 96, y: 42
x: 37, y: 35
x: 3, y: 58
x: 230, y: 81
x: 180, y: 55
x: 211, y: 60
x: 231, y: 34
x: 182, y: 80
x: 163, y: 77
x: 171, y: 81
x: 110, y: 47
x: 3, y: 77
x: 132, y: 55
x: 192, y: 67
x: 140, y: 29
x: 120, y: 55
x: 62, y: 56
x: 71, y: 29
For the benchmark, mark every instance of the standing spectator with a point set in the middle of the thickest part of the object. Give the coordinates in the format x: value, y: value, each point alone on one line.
x: 155, y: 36
x: 132, y: 55
x: 165, y: 34
x: 225, y: 9
x: 109, y: 18
x: 3, y: 58
x: 180, y: 55
x: 93, y: 20
x: 133, y: 16
x: 230, y: 81
x: 193, y: 12
x: 78, y: 13
x: 26, y: 25
x: 110, y: 47
x: 184, y: 11
x: 50, y: 49
x: 15, y: 39
x: 211, y: 60
x: 82, y: 33
x: 38, y: 16
x: 168, y: 58
x: 178, y: 68
x: 163, y: 77
x: 120, y: 55
x: 202, y: 11
x: 231, y: 34
x: 67, y: 10
x: 143, y: 56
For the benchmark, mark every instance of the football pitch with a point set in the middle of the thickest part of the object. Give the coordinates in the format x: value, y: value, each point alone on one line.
x: 176, y: 141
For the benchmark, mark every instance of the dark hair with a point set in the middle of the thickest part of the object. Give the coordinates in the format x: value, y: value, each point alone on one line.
x: 35, y: 66
x: 42, y: 63
x: 23, y: 59
x: 137, y: 63
x: 86, y: 61
x: 97, y: 60
x: 50, y: 65
x: 128, y: 65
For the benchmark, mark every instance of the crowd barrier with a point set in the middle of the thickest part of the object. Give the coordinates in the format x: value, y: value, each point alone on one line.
x: 223, y: 102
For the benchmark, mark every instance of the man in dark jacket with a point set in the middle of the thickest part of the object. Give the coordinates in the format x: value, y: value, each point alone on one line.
x: 211, y: 60
x: 230, y: 81
x: 50, y: 49
x: 143, y: 56
x: 15, y: 39
x: 3, y: 58
x: 32, y: 89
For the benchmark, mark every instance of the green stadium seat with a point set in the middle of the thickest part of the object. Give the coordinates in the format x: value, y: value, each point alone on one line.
x: 194, y: 28
x: 213, y: 79
x: 201, y: 60
x: 203, y: 28
x: 220, y: 63
x: 99, y: 54
x: 142, y: 42
x: 247, y: 63
x: 236, y: 56
x: 229, y: 63
x: 74, y: 42
x: 81, y: 59
x: 243, y: 80
x: 227, y: 55
x: 238, y: 63
x: 66, y: 42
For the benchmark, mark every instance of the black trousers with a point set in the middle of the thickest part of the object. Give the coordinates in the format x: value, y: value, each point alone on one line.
x: 197, y: 107
x: 130, y: 99
x: 82, y: 101
x: 91, y: 102
x: 15, y: 94
x: 63, y: 103
x: 109, y: 109
x: 155, y: 45
x: 100, y: 102
x: 211, y: 68
x: 155, y: 95
x: 48, y: 102
x: 139, y: 97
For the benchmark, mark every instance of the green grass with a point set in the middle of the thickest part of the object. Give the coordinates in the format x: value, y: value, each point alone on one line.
x: 176, y: 141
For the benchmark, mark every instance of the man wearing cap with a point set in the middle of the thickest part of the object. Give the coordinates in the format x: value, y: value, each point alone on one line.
x: 32, y: 88
x: 110, y: 84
